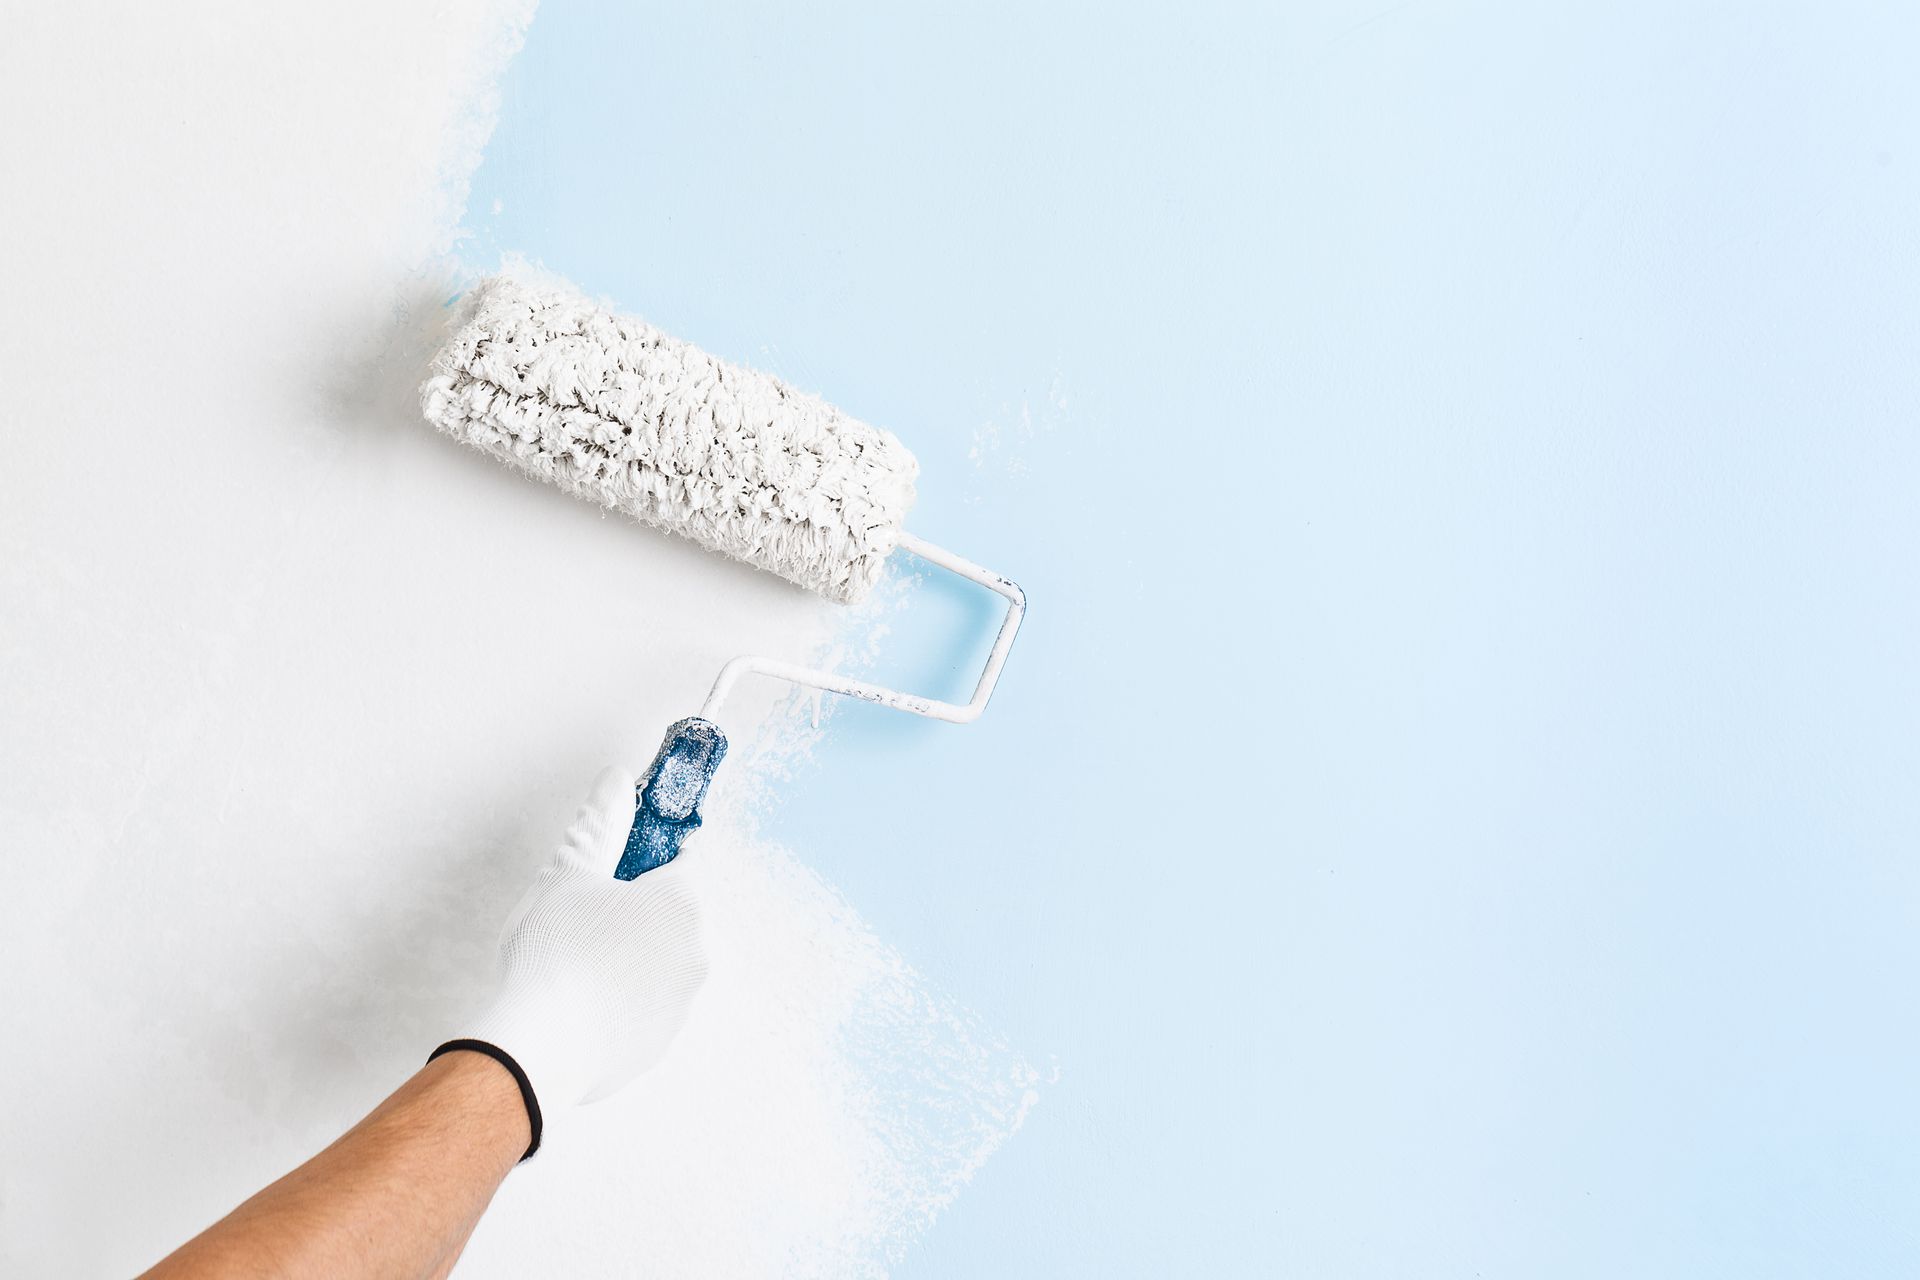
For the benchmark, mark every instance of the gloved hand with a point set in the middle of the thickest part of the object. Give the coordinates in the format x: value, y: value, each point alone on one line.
x: 598, y: 973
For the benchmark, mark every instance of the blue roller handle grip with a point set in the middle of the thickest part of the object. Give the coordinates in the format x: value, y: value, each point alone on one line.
x: 667, y: 800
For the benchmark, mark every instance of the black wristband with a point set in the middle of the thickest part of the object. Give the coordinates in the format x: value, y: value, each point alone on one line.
x: 505, y: 1059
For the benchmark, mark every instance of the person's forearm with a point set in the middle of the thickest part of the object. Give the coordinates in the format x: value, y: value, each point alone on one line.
x: 597, y: 975
x: 397, y: 1195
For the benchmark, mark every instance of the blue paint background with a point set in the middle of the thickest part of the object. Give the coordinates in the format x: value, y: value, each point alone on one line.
x: 1453, y: 810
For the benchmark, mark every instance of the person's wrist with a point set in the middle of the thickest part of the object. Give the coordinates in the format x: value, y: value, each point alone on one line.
x: 497, y: 1093
x: 546, y: 1033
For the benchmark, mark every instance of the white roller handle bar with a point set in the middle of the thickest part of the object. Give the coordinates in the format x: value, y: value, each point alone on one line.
x: 832, y: 682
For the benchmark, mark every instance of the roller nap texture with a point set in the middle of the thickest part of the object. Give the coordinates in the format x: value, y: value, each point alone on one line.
x: 610, y: 408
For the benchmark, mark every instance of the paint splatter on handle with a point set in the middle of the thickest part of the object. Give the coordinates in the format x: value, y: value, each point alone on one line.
x: 667, y: 800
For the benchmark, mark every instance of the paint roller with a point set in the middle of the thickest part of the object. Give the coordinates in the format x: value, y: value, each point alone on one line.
x: 613, y: 410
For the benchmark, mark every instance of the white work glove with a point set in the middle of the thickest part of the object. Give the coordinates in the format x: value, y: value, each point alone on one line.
x: 598, y: 973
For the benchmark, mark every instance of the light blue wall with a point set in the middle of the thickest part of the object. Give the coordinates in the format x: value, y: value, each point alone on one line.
x: 1455, y: 802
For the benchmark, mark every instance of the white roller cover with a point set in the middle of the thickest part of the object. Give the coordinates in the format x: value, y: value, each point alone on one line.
x: 611, y: 409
